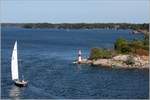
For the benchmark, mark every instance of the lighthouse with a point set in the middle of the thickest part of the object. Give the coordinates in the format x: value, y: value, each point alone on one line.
x: 79, y: 57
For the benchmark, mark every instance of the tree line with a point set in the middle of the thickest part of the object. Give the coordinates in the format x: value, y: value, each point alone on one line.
x: 143, y: 26
x: 123, y: 46
x: 88, y: 26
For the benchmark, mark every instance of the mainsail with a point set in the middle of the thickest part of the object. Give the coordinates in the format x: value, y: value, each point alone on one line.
x: 14, y: 63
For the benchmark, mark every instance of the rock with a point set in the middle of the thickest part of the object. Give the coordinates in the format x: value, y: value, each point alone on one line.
x: 102, y: 62
x: 119, y: 61
x: 121, y: 57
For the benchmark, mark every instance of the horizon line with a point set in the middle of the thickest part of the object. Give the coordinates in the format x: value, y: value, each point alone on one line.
x: 74, y: 23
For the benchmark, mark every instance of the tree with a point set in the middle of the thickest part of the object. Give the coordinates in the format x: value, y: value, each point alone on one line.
x: 121, y: 45
x: 28, y: 26
x: 97, y: 53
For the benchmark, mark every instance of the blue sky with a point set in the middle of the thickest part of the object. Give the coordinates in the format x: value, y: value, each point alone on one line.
x: 75, y: 11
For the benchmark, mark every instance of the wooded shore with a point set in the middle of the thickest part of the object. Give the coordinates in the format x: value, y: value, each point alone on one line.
x: 126, y: 54
x: 137, y: 27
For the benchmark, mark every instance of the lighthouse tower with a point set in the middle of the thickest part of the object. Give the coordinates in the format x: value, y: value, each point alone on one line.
x: 79, y: 57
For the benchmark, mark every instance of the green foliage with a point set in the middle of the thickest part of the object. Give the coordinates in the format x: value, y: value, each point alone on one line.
x: 97, y: 53
x: 140, y: 47
x: 80, y: 25
x: 121, y: 46
x: 146, y: 40
x: 139, y: 44
x: 28, y: 26
x: 135, y: 46
x: 88, y: 26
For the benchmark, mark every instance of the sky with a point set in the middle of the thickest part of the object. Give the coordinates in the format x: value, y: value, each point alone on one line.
x: 75, y: 11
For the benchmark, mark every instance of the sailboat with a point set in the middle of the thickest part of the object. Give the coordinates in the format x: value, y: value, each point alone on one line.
x: 14, y: 68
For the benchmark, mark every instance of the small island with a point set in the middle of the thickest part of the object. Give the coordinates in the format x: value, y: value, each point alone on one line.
x: 126, y: 54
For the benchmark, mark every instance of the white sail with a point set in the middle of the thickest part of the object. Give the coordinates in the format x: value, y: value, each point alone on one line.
x: 14, y: 63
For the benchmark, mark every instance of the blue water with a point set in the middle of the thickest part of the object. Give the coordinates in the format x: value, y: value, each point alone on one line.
x: 46, y: 57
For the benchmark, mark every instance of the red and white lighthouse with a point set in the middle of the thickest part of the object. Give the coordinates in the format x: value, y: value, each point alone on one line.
x: 79, y: 57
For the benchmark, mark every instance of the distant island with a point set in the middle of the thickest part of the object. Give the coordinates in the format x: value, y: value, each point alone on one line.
x: 136, y: 27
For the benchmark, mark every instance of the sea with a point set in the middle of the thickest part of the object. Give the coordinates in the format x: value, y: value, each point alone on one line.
x: 46, y: 59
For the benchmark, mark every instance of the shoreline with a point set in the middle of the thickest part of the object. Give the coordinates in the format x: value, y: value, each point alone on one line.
x: 142, y: 27
x: 119, y: 62
x: 121, y: 68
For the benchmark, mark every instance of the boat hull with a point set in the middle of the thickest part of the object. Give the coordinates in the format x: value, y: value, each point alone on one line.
x: 20, y: 83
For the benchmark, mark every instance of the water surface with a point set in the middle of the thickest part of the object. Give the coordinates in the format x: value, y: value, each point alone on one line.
x: 46, y: 57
